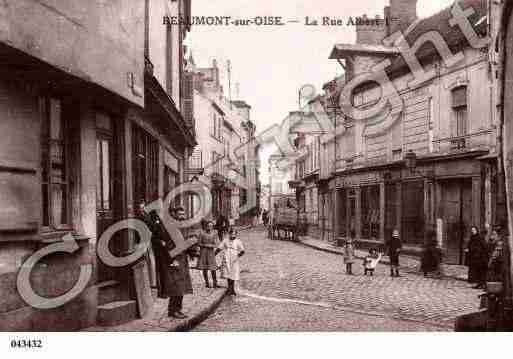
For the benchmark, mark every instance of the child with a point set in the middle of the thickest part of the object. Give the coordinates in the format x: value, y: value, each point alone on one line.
x: 370, y: 262
x: 393, y: 248
x: 349, y: 256
x: 207, y: 259
x: 233, y: 250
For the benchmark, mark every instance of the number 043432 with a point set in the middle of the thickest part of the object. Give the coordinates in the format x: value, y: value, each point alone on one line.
x: 26, y: 343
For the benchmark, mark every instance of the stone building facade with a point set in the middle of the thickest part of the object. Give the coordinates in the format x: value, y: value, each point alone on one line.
x: 429, y: 159
x: 92, y: 117
x: 226, y: 151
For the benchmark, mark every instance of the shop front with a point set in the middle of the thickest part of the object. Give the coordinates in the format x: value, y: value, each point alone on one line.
x: 444, y: 193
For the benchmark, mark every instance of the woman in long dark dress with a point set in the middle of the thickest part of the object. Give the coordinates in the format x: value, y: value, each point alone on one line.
x: 477, y: 258
x: 431, y: 255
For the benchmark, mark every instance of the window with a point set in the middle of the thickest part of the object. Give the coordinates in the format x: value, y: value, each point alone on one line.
x: 171, y: 181
x: 459, y: 125
x: 365, y: 97
x: 103, y: 190
x: 54, y: 166
x: 213, y: 126
x: 169, y: 59
x: 104, y: 129
x: 300, y: 169
x: 145, y: 154
x: 431, y: 124
x: 243, y: 199
x: 217, y: 127
x: 216, y: 163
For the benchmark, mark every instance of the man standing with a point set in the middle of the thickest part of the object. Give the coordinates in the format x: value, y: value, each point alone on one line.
x: 179, y: 276
x: 173, y: 277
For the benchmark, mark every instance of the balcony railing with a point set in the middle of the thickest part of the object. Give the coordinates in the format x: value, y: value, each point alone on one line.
x: 479, y: 139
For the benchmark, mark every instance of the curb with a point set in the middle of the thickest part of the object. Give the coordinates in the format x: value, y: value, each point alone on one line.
x: 384, y: 261
x: 194, y: 321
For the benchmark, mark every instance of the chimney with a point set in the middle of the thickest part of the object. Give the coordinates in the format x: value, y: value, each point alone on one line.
x: 402, y: 14
x: 370, y: 31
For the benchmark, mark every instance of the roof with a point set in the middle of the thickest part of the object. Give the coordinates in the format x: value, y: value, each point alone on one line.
x: 438, y: 22
x: 453, y: 35
x: 341, y: 50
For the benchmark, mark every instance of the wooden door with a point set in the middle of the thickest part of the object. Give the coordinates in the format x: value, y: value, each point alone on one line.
x: 457, y: 216
x: 413, y: 221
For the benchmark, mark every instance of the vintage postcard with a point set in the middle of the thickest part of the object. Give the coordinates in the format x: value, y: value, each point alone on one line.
x: 255, y: 166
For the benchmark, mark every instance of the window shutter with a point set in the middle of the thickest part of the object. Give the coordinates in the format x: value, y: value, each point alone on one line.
x: 188, y: 98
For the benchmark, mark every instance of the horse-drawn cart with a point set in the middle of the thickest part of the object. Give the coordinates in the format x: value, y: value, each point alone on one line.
x: 287, y: 224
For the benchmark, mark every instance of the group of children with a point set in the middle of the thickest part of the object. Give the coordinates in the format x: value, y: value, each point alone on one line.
x: 370, y: 261
x: 232, y: 250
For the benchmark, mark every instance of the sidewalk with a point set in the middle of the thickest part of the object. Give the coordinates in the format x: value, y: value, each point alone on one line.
x: 197, y: 306
x: 409, y: 264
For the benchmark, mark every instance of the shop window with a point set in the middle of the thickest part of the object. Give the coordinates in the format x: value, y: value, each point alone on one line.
x: 392, y: 204
x: 370, y: 211
x: 54, y: 166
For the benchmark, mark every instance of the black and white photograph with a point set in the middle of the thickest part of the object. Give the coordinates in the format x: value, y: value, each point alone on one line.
x: 255, y: 166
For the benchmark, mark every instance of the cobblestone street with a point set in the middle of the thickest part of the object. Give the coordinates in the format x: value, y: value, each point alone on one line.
x: 287, y: 286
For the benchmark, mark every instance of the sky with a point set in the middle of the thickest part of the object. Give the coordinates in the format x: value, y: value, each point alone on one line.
x: 271, y: 63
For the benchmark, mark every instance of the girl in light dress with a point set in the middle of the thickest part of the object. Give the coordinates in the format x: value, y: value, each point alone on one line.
x: 233, y: 249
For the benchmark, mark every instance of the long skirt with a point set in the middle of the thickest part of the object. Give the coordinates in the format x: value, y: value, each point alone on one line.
x: 207, y: 259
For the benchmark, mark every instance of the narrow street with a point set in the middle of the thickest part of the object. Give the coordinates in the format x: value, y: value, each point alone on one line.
x: 287, y: 286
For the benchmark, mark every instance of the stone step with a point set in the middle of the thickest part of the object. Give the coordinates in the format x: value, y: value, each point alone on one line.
x: 111, y: 291
x: 116, y: 313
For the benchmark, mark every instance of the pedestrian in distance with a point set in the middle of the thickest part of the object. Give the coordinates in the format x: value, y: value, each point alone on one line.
x: 393, y: 249
x: 370, y: 262
x: 265, y: 217
x: 431, y: 255
x: 349, y: 255
x: 498, y: 257
x: 477, y: 258
x: 221, y: 226
x: 233, y: 250
x: 207, y: 259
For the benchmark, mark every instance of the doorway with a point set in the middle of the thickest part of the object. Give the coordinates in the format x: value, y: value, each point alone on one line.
x: 457, y: 215
x: 109, y: 186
